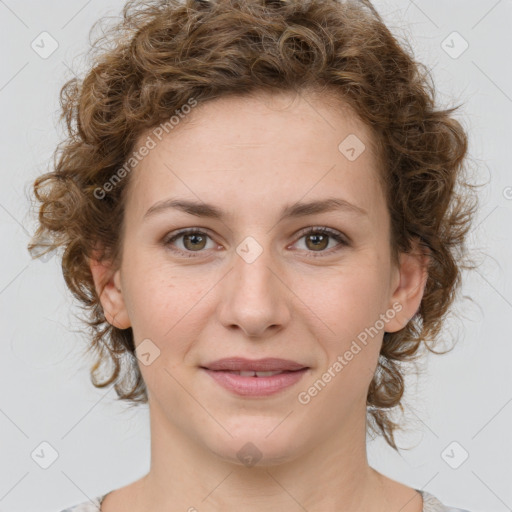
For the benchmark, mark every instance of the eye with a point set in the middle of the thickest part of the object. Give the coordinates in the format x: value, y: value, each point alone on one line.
x: 193, y: 241
x: 317, y: 239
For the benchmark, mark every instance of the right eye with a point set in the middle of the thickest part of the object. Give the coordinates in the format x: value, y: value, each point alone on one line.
x: 193, y: 240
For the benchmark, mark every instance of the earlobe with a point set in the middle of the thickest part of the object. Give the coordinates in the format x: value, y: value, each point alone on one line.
x: 408, y: 293
x: 107, y: 283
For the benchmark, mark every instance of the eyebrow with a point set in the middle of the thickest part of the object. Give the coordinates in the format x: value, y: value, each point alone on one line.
x: 200, y: 209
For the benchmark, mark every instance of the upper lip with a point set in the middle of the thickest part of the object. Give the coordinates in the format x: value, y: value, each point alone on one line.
x: 269, y: 364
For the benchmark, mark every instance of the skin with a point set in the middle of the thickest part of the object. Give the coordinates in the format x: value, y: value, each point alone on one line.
x: 250, y: 157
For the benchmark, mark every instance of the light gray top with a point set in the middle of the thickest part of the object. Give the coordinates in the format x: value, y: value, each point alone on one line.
x: 430, y: 504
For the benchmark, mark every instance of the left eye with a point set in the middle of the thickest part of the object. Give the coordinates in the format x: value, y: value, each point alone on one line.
x: 318, y: 238
x: 195, y: 240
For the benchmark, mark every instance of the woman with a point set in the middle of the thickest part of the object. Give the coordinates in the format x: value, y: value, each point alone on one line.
x: 264, y: 213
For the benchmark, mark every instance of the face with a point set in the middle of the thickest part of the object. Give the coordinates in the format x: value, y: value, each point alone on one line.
x: 253, y: 282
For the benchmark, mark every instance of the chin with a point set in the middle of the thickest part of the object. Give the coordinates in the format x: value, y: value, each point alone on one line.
x: 266, y: 442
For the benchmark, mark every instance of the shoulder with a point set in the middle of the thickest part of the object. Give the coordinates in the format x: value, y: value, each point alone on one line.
x: 92, y: 505
x: 432, y: 504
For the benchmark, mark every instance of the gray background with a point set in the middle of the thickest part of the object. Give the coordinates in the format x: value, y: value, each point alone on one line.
x: 464, y: 396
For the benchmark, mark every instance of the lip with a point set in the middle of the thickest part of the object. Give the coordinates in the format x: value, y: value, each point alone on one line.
x: 255, y: 386
x: 268, y: 364
x: 220, y: 372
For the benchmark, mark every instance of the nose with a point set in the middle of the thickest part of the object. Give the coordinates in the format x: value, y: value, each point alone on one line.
x: 254, y: 297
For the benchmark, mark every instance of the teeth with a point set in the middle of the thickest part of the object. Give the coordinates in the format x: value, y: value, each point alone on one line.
x: 267, y: 374
x: 256, y: 374
x: 246, y: 374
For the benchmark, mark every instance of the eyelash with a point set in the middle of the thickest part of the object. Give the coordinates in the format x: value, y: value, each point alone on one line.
x: 317, y: 230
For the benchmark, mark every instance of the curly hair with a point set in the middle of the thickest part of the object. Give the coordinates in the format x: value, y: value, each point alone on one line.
x: 161, y: 53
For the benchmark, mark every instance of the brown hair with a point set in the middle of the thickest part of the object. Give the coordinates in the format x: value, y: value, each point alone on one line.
x: 162, y: 53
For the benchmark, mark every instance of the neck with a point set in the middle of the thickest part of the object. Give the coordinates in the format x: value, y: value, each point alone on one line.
x: 332, y: 475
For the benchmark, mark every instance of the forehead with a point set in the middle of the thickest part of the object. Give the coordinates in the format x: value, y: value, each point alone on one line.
x: 262, y: 147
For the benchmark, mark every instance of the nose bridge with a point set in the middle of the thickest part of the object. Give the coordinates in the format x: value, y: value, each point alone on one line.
x: 255, y: 299
x: 253, y: 270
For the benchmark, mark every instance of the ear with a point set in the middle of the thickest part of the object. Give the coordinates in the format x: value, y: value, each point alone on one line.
x: 107, y: 281
x: 409, y: 282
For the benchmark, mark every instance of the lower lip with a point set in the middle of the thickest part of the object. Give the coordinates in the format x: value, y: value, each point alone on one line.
x: 256, y: 386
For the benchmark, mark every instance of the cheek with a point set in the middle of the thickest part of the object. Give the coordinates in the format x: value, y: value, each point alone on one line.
x: 351, y: 308
x: 353, y: 300
x: 170, y: 310
x: 152, y: 285
x: 353, y: 351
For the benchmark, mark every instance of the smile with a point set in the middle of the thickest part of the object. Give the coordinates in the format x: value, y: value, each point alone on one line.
x: 253, y: 383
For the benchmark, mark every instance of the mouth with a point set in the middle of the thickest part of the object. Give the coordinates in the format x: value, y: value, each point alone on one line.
x: 241, y: 364
x: 252, y: 373
x: 261, y: 377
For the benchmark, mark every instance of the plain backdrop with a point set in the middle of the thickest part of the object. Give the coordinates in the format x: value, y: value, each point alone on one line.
x: 459, y: 412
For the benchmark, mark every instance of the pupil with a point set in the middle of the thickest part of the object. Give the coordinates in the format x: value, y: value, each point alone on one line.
x: 318, y: 239
x: 195, y: 237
